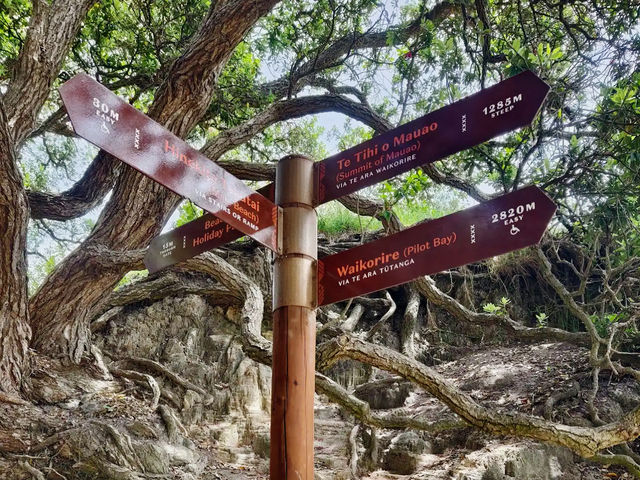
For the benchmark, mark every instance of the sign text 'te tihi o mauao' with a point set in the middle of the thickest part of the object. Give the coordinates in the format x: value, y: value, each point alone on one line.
x: 510, y: 104
x: 506, y: 223
x: 107, y: 121
x: 193, y: 238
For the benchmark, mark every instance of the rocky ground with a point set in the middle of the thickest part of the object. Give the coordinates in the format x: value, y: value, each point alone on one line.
x: 213, y: 418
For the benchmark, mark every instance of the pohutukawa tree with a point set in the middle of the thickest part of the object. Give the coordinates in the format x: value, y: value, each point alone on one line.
x: 244, y: 80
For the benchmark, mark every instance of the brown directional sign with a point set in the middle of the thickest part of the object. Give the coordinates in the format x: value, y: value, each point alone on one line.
x: 505, y: 106
x: 193, y: 238
x: 110, y: 123
x: 507, y: 223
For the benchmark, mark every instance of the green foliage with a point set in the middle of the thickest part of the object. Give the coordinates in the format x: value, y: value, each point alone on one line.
x: 335, y: 220
x: 603, y: 322
x: 541, y: 319
x: 500, y: 309
x: 14, y: 18
x: 127, y: 38
x: 415, y: 182
x: 188, y: 212
x: 583, y: 148
x: 131, y: 277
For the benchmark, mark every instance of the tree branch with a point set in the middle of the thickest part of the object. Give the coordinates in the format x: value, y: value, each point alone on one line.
x: 427, y: 286
x: 345, y: 46
x: 52, y: 28
x: 83, y: 196
x: 289, y: 109
x: 584, y: 441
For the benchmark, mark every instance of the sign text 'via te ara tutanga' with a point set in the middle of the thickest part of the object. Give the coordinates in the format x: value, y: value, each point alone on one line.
x: 506, y: 223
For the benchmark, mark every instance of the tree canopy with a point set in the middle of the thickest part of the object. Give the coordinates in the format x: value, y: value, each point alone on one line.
x: 249, y: 82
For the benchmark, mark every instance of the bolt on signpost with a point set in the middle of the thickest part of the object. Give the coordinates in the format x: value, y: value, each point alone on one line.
x: 300, y: 281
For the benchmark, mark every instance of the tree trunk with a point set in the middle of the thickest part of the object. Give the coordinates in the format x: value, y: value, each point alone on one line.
x: 52, y: 27
x: 409, y: 322
x: 14, y: 216
x: 138, y: 207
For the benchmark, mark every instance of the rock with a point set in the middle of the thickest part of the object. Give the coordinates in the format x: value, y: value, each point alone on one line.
x: 456, y: 438
x: 411, y: 442
x: 142, y: 430
x: 400, y: 462
x: 524, y: 460
x: 494, y: 472
x: 228, y: 435
x: 191, y: 408
x: 626, y: 396
x: 403, y: 455
x: 262, y: 445
x: 385, y: 394
x: 153, y: 457
x: 609, y: 410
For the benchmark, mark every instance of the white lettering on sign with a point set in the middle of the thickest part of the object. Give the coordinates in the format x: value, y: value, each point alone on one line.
x: 167, y: 248
x: 472, y: 231
x: 464, y: 123
x: 503, y: 106
x: 513, y: 215
x: 105, y: 112
x: 136, y: 139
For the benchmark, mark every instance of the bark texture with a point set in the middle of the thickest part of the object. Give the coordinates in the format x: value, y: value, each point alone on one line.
x: 14, y: 216
x: 52, y: 28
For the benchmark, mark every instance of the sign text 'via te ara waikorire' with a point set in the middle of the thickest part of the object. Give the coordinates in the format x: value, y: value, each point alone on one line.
x: 510, y: 104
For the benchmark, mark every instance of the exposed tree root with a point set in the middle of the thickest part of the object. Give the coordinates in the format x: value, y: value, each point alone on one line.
x: 559, y: 396
x: 5, y: 398
x: 353, y: 451
x: 380, y: 323
x: 409, y: 321
x: 99, y: 362
x: 35, y: 473
x: 123, y: 442
x: 52, y: 440
x: 392, y: 420
x: 141, y: 378
x: 340, y: 323
x: 174, y: 426
x: 621, y: 460
x: 174, y: 377
x: 428, y: 288
x: 584, y: 441
x: 354, y: 317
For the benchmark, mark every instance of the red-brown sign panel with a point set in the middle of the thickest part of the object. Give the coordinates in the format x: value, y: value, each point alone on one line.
x: 107, y: 121
x: 193, y: 238
x: 506, y: 106
x: 507, y: 223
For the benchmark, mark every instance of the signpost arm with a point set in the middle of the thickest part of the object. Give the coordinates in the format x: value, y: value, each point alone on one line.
x: 294, y: 323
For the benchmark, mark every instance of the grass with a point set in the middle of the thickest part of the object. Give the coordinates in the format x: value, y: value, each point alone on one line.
x: 412, y: 213
x: 334, y: 220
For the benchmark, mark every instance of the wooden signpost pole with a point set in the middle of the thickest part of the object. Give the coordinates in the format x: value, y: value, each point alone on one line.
x: 294, y: 323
